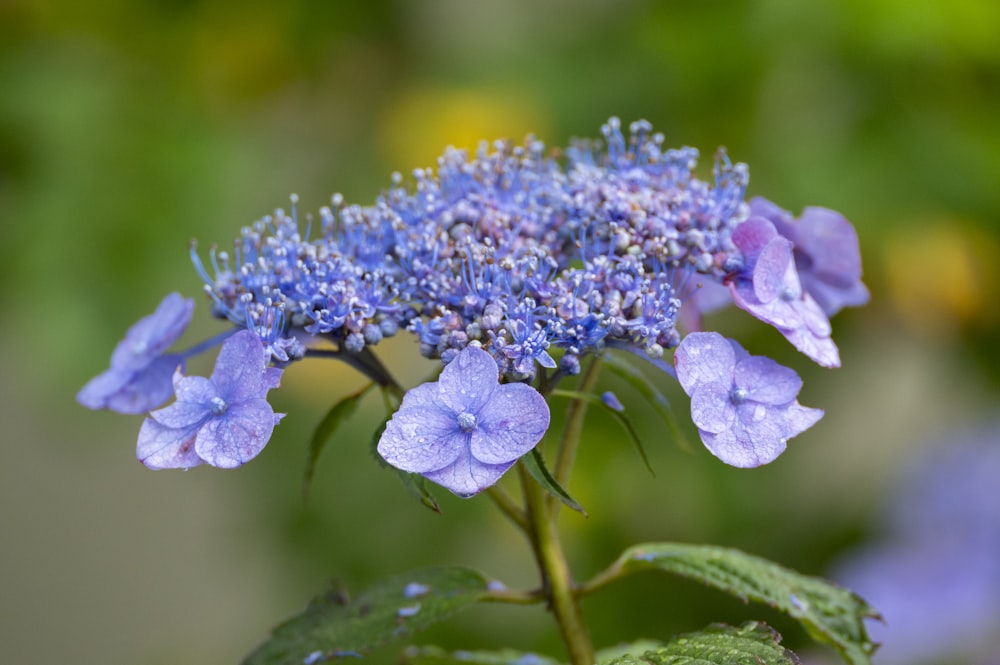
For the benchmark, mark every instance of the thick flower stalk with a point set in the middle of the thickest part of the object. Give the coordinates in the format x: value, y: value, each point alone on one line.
x: 516, y: 257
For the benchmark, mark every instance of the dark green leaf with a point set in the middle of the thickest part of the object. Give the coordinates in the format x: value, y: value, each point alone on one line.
x: 338, y: 413
x: 752, y: 643
x: 430, y: 655
x: 617, y: 415
x: 331, y: 627
x: 417, y: 486
x: 645, y: 387
x: 829, y: 613
x: 535, y: 465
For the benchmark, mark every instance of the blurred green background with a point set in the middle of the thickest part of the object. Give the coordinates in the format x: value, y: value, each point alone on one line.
x: 127, y: 128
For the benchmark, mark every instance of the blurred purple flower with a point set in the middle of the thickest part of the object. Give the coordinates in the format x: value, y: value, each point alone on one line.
x: 466, y: 429
x: 768, y: 287
x: 935, y: 576
x: 223, y: 420
x: 139, y: 377
x: 745, y: 406
x: 827, y: 253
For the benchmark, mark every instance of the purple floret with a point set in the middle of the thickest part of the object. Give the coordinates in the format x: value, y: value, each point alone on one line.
x: 745, y: 406
x: 827, y: 254
x: 224, y: 420
x: 768, y: 287
x: 139, y: 377
x: 466, y: 429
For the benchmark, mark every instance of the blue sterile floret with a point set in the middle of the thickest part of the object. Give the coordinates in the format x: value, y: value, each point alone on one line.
x: 466, y: 429
x: 223, y: 420
x: 744, y: 406
x: 531, y: 258
x: 139, y: 377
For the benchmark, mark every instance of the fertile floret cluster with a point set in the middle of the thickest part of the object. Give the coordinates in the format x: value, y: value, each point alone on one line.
x: 537, y: 259
x: 510, y: 248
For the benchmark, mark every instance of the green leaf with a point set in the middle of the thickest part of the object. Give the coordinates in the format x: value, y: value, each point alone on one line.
x: 338, y: 413
x: 645, y: 387
x: 535, y: 465
x: 752, y: 643
x: 417, y: 486
x: 617, y: 415
x: 431, y: 655
x: 623, y: 649
x: 391, y: 610
x: 830, y: 614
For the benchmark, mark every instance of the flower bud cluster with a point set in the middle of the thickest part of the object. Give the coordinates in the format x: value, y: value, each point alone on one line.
x: 513, y: 248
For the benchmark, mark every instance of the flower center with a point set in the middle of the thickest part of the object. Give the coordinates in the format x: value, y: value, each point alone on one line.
x: 218, y: 406
x: 738, y: 395
x: 466, y: 421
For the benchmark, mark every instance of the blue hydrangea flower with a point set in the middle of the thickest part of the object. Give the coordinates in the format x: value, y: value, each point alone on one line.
x: 466, y: 429
x: 139, y: 377
x: 827, y: 255
x: 744, y: 406
x: 223, y: 420
x: 768, y: 287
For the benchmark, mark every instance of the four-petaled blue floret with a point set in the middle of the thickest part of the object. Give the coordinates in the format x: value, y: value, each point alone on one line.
x: 466, y: 429
x: 514, y: 255
x: 744, y: 406
x: 223, y: 420
x: 139, y: 377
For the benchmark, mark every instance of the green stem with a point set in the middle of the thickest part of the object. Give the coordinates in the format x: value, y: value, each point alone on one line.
x: 610, y: 574
x: 574, y: 428
x: 557, y: 580
x: 507, y: 506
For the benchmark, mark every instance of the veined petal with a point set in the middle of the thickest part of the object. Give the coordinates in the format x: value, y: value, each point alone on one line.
x: 510, y: 424
x: 418, y: 439
x: 162, y: 447
x: 100, y: 389
x: 799, y: 418
x: 153, y: 334
x: 239, y: 369
x: 468, y: 476
x: 712, y: 409
x: 194, y: 389
x: 774, y: 273
x: 821, y: 350
x: 742, y: 448
x: 704, y: 358
x: 468, y: 381
x: 237, y: 436
x: 765, y: 381
x: 182, y: 414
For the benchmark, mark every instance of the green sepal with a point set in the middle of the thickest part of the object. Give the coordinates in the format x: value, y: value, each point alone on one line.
x: 753, y: 643
x: 535, y: 464
x: 431, y: 655
x: 338, y: 413
x: 830, y: 614
x: 635, y: 378
x: 332, y: 627
x: 617, y: 415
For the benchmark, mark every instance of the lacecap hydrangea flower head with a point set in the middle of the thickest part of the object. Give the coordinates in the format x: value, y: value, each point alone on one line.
x: 512, y: 267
